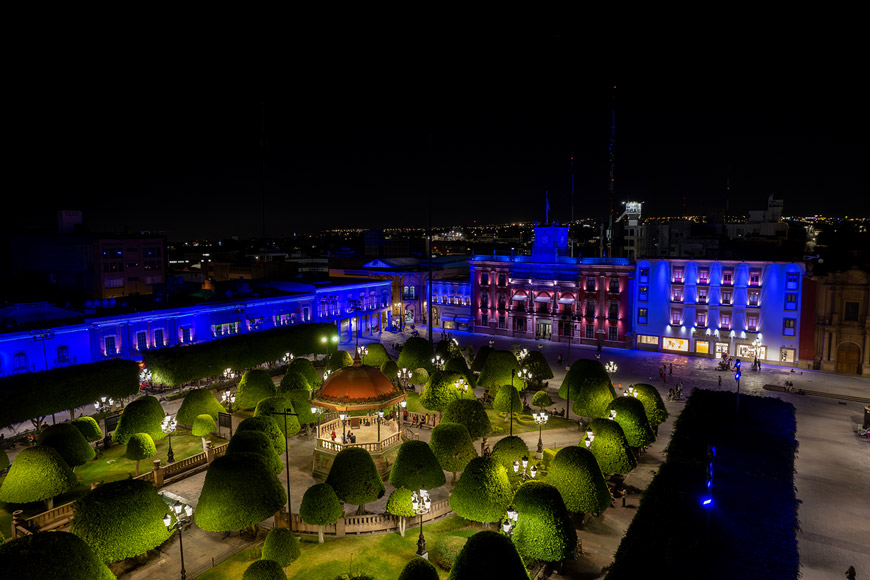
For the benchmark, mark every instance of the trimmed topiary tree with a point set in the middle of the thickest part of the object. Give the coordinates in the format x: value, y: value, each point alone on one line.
x: 418, y: 568
x: 255, y: 386
x: 441, y: 390
x: 506, y: 399
x: 240, y: 490
x: 355, y: 478
x: 590, y: 388
x: 576, y: 475
x: 255, y: 442
x: 88, y: 427
x: 472, y: 414
x: 541, y: 400
x: 141, y: 446
x: 390, y: 370
x: 483, y: 492
x: 203, y: 425
x: 55, y: 555
x: 37, y: 474
x: 458, y: 365
x: 631, y: 416
x: 399, y: 505
x: 508, y: 450
x: 198, y: 402
x: 377, y: 355
x: 610, y: 447
x: 416, y: 354
x: 497, y: 369
x: 121, y: 519
x: 267, y: 407
x: 339, y: 359
x: 653, y: 405
x: 304, y: 367
x: 301, y: 403
x: 445, y: 550
x: 544, y: 528
x: 67, y: 440
x: 480, y: 358
x: 264, y: 570
x: 144, y: 415
x: 538, y: 366
x: 452, y: 446
x: 416, y: 467
x: 488, y: 554
x: 320, y: 507
x: 419, y: 377
x: 4, y: 462
x: 265, y: 424
x: 281, y: 546
x: 293, y: 381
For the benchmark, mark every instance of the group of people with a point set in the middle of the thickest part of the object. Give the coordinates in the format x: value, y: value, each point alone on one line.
x: 666, y: 370
x: 346, y: 437
x: 676, y: 395
x: 418, y: 420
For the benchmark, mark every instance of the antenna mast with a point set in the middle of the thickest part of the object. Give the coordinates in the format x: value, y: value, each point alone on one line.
x: 612, y: 136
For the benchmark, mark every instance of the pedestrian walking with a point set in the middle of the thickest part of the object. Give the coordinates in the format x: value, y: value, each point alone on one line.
x: 671, y: 369
x: 850, y: 573
x: 559, y: 358
x: 720, y: 380
x: 670, y: 394
x: 679, y: 391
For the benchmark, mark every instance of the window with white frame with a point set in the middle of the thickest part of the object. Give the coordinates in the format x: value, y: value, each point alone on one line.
x: 727, y: 295
x: 677, y: 294
x: 612, y: 333
x: 752, y: 322
x: 755, y: 277
x: 19, y: 361
x: 647, y: 339
x: 725, y: 320
x: 728, y: 277
x: 676, y: 316
x: 753, y: 297
x: 703, y: 275
x: 701, y: 319
x: 788, y: 326
x: 791, y: 301
x: 702, y: 295
x: 679, y: 272
x: 141, y: 341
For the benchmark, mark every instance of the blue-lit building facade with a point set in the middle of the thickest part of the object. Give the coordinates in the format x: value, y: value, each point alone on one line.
x: 362, y: 308
x: 451, y: 305
x: 716, y: 308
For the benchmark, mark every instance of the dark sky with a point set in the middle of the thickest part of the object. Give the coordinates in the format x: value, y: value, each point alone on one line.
x: 359, y: 132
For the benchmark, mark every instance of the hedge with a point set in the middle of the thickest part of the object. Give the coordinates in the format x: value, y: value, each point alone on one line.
x: 611, y: 448
x: 37, y: 474
x: 441, y: 390
x: 69, y: 442
x: 144, y: 415
x: 4, y: 461
x: 419, y: 569
x: 483, y: 492
x: 355, y: 478
x: 541, y: 400
x: 544, y: 528
x: 267, y: 425
x: 264, y: 570
x: 653, y: 405
x: 339, y: 359
x: 445, y: 551
x: 88, y: 427
x: 452, y: 445
x: 255, y: 386
x: 121, y: 519
x: 497, y: 369
x: 416, y: 467
x: 240, y: 490
x: 36, y: 395
x: 576, y: 475
x: 472, y: 414
x: 55, y: 555
x: 631, y: 416
x: 590, y: 388
x: 488, y: 554
x: 281, y: 546
x: 197, y: 402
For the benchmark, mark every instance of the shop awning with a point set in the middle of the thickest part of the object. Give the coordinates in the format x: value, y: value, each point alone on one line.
x: 519, y: 297
x: 542, y: 299
x: 463, y: 319
x: 566, y: 301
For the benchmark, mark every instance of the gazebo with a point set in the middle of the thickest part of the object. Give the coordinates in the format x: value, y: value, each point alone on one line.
x: 362, y: 396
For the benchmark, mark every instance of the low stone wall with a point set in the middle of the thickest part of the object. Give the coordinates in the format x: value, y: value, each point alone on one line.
x: 368, y: 523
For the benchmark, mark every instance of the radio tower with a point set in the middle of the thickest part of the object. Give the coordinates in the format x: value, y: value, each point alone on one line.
x: 612, y: 136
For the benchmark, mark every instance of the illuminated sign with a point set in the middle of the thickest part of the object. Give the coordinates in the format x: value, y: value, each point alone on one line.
x: 633, y: 207
x: 680, y: 344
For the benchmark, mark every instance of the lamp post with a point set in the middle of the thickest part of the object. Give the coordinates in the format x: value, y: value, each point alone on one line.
x: 525, y: 375
x: 316, y: 411
x: 342, y: 416
x: 228, y: 399
x: 103, y: 405
x: 541, y: 419
x: 402, y: 405
x: 590, y: 436
x: 288, y: 358
x: 513, y: 373
x: 526, y: 473
x: 510, y: 521
x: 737, y: 379
x: 404, y: 377
x: 491, y: 343
x: 168, y: 426
x: 182, y: 513
x: 438, y: 362
x: 613, y: 414
x: 362, y: 352
x: 380, y: 416
x: 286, y: 414
x: 326, y: 340
x: 421, y: 504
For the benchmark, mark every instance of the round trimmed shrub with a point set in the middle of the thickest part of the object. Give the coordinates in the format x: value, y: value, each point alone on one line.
x: 198, y: 402
x: 281, y: 546
x: 121, y: 519
x: 355, y: 478
x: 141, y: 446
x: 377, y: 355
x: 293, y: 381
x: 240, y: 490
x: 419, y: 569
x: 472, y: 414
x: 440, y: 391
x: 452, y: 446
x: 390, y: 370
x: 590, y: 388
x: 203, y: 425
x: 538, y: 365
x: 255, y: 386
x: 55, y: 555
x: 339, y: 359
x: 37, y: 474
x: 88, y: 427
x: 653, y: 405
x: 399, y: 503
x: 419, y: 376
x: 576, y: 475
x: 507, y: 398
x: 497, y: 369
x: 304, y: 367
x: 610, y: 447
x: 255, y: 442
x: 483, y: 492
x: 631, y: 416
x: 144, y: 415
x: 265, y: 424
x: 300, y: 401
x: 416, y: 354
x: 416, y: 467
x: 544, y: 528
x: 446, y: 550
x: 67, y: 440
x: 541, y: 400
x: 488, y: 554
x: 480, y: 358
x: 508, y: 450
x: 264, y: 570
x: 270, y: 405
x: 320, y: 507
x: 458, y: 365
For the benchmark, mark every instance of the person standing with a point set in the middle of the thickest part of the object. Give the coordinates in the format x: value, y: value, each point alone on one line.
x: 850, y: 573
x: 720, y: 380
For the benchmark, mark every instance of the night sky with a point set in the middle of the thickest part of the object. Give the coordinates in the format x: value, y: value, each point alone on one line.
x: 359, y: 134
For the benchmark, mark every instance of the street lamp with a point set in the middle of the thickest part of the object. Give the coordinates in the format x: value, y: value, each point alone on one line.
x: 103, y: 405
x: 613, y: 414
x: 611, y: 367
x: 438, y: 362
x: 541, y: 419
x: 402, y: 404
x: 380, y: 416
x: 421, y: 504
x: 526, y: 473
x: 229, y: 374
x: 316, y: 411
x: 342, y: 417
x: 525, y: 375
x: 325, y: 340
x: 513, y: 390
x: 288, y: 358
x: 737, y: 379
x: 286, y: 414
x: 362, y: 352
x: 522, y: 354
x: 590, y: 437
x: 491, y: 343
x: 404, y: 377
x: 182, y: 513
x: 145, y: 376
x: 510, y: 522
x: 168, y: 426
x: 228, y: 399
x: 461, y: 384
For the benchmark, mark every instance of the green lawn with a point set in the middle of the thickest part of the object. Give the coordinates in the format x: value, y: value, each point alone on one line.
x: 382, y: 555
x: 109, y: 465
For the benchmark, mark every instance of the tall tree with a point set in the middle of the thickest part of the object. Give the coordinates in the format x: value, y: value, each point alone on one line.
x: 483, y: 492
x: 144, y: 415
x: 255, y: 386
x: 416, y: 354
x: 416, y: 467
x: 452, y: 446
x: 196, y: 402
x: 443, y: 388
x: 631, y: 416
x: 497, y: 370
x: 611, y: 448
x: 544, y: 528
x: 320, y: 507
x: 355, y: 478
x: 67, y: 440
x: 589, y: 387
x: 203, y: 425
x: 140, y: 446
x: 37, y: 474
x: 576, y: 475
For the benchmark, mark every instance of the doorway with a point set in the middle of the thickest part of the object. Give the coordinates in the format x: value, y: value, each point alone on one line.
x: 543, y: 330
x: 848, y: 358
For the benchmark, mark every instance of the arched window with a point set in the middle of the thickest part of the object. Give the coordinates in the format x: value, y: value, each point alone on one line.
x: 62, y: 354
x: 19, y: 361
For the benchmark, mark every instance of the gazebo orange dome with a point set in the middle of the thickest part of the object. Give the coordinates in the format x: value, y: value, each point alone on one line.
x: 358, y: 387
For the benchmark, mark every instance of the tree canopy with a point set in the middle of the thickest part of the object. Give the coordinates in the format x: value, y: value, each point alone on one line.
x: 121, y: 519
x: 240, y: 490
x: 458, y: 365
x: 197, y: 402
x: 265, y: 424
x: 472, y: 414
x: 67, y: 440
x: 293, y: 381
x: 575, y: 473
x: 590, y: 388
x: 506, y: 399
x: 55, y: 555
x: 355, y: 478
x: 544, y: 528
x: 416, y: 467
x: 488, y: 555
x: 541, y: 400
x: 88, y: 427
x: 416, y: 354
x: 611, y: 448
x: 320, y: 507
x: 264, y: 570
x: 281, y: 546
x: 144, y: 415
x: 538, y: 366
x: 509, y: 449
x: 483, y: 492
x: 339, y: 359
x: 390, y: 370
x: 272, y: 405
x: 37, y: 474
x: 452, y: 446
x: 255, y: 442
x: 497, y: 369
x: 418, y: 568
x: 653, y: 405
x: 377, y: 355
x: 141, y: 446
x: 255, y: 386
x: 303, y: 366
x: 441, y: 390
x: 480, y: 358
x: 631, y: 416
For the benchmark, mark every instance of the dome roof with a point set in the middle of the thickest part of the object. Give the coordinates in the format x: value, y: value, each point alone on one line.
x: 357, y: 387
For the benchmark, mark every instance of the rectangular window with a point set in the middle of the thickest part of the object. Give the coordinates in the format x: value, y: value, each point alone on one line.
x: 788, y: 326
x: 752, y: 322
x: 676, y: 316
x: 647, y: 339
x: 306, y: 314
x: 702, y: 346
x: 613, y: 311
x: 703, y: 275
x: 678, y: 274
x: 701, y: 319
x: 520, y: 324
x: 702, y: 295
x: 614, y: 285
x: 677, y: 294
x: 792, y: 280
x: 726, y: 295
x: 680, y: 344
x: 753, y: 297
x: 502, y: 279
x: 749, y: 351
x: 755, y: 277
x: 141, y: 341
x: 484, y: 319
x: 643, y: 293
x: 185, y: 335
x: 158, y: 338
x: 612, y: 333
x: 786, y: 355
x: 850, y: 312
x: 501, y: 323
x: 590, y: 284
x: 590, y: 331
x: 484, y: 279
x: 791, y: 303
x: 725, y: 320
x: 110, y: 345
x: 115, y: 283
x: 644, y: 277
x: 641, y: 315
x: 727, y: 277
x: 722, y: 347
